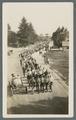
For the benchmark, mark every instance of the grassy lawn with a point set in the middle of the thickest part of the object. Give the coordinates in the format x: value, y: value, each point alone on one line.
x: 59, y: 60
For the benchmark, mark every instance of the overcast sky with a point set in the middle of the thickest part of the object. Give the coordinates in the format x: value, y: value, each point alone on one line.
x: 45, y: 17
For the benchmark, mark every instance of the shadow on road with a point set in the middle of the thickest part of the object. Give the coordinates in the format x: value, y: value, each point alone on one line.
x: 58, y: 105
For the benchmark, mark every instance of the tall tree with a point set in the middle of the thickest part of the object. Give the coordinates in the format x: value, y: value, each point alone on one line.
x: 32, y: 36
x: 22, y: 33
x: 26, y: 33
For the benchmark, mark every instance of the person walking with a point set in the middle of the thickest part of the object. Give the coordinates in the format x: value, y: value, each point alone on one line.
x: 42, y: 83
x: 50, y: 85
x: 23, y: 65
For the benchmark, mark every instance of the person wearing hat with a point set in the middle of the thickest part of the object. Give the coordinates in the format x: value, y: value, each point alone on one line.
x: 29, y: 78
x: 42, y: 83
x: 47, y: 82
x: 13, y: 85
x: 33, y: 84
x: 50, y: 85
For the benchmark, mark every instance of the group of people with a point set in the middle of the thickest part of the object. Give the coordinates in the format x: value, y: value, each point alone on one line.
x: 37, y: 77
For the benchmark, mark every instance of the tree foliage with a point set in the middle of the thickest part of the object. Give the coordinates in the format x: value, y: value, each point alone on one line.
x: 26, y: 34
x: 12, y: 37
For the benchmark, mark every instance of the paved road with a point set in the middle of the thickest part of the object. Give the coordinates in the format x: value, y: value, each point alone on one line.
x: 55, y: 102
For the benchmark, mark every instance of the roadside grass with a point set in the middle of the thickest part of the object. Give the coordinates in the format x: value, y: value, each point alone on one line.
x: 59, y: 60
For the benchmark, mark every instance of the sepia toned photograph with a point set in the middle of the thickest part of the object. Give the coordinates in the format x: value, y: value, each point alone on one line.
x: 37, y: 59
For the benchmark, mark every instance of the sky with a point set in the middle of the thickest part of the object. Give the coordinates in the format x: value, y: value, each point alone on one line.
x: 45, y: 17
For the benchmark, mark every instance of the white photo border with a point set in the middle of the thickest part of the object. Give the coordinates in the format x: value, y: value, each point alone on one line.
x: 71, y: 72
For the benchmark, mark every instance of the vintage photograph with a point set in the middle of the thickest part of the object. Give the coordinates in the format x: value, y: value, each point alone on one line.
x: 37, y: 59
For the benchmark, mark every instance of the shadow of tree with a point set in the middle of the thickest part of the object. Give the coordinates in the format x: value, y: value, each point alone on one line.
x: 58, y: 105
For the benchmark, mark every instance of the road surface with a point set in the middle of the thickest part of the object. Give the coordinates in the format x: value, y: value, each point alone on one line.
x: 55, y: 102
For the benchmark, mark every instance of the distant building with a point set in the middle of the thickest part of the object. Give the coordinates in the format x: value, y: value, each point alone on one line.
x: 51, y: 44
x: 65, y: 44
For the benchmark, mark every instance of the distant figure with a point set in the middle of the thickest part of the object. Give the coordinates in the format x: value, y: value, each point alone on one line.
x: 37, y: 86
x: 50, y: 85
x: 20, y: 61
x: 23, y: 66
x: 13, y: 85
x: 42, y: 83
x: 29, y: 77
x: 46, y: 82
x: 21, y: 58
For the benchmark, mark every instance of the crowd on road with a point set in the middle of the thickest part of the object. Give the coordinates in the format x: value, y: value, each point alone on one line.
x: 36, y: 77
